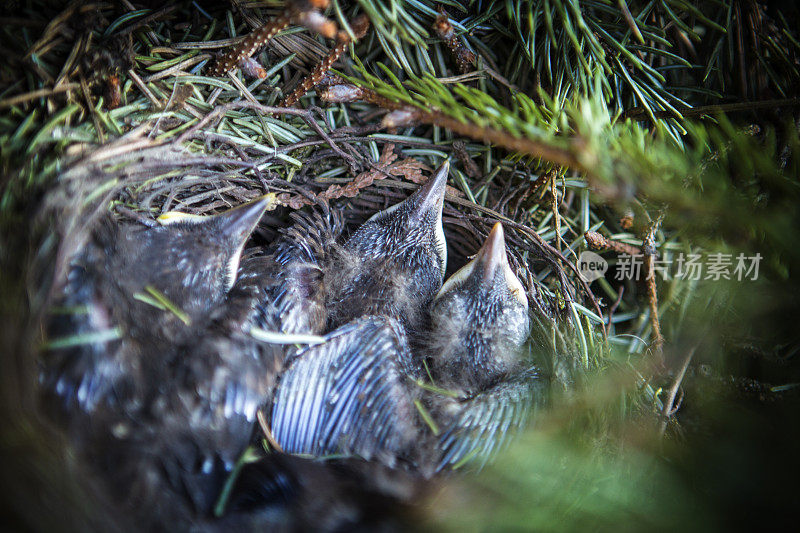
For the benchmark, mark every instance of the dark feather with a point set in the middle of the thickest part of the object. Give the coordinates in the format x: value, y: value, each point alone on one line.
x: 284, y: 492
x: 475, y: 428
x: 169, y: 461
x: 292, y: 278
x: 348, y: 395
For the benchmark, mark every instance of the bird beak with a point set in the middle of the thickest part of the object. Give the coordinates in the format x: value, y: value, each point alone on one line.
x: 238, y: 223
x: 430, y: 197
x: 492, y: 254
x: 490, y: 260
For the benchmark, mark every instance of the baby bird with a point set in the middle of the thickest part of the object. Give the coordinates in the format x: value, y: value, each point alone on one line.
x: 132, y: 294
x: 190, y: 259
x: 204, y: 417
x: 360, y: 392
x: 394, y: 263
x: 161, y: 410
x: 479, y: 323
x: 290, y: 277
x: 168, y: 464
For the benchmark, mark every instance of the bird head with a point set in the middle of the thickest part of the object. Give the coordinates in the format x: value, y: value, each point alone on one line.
x: 411, y: 231
x: 193, y: 259
x: 485, y: 296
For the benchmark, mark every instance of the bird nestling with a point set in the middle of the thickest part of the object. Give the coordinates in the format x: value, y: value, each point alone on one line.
x: 479, y: 321
x: 361, y: 392
x: 135, y: 291
x: 479, y: 324
x: 291, y: 275
x: 169, y: 462
x: 166, y: 405
x: 394, y: 263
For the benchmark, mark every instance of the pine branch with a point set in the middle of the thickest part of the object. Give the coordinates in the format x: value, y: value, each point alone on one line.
x: 303, y: 12
x: 360, y: 26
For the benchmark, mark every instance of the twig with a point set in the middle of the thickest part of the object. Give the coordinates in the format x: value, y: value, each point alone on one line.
x: 554, y: 154
x: 135, y: 215
x: 142, y: 87
x: 299, y: 11
x: 242, y: 87
x: 649, y: 249
x: 91, y: 110
x: 614, y: 307
x: 387, y: 166
x: 404, y: 115
x: 124, y: 146
x: 351, y: 162
x: 688, y: 112
x: 470, y: 168
x: 444, y: 29
x: 39, y: 93
x: 247, y: 46
x: 262, y: 422
x: 170, y: 102
x: 554, y: 207
x: 597, y: 241
x: 360, y: 26
x: 669, y: 408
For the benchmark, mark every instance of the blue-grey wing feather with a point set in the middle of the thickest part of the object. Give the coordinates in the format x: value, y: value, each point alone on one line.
x: 475, y: 428
x: 347, y: 395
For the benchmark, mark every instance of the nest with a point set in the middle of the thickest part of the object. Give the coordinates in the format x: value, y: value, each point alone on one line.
x: 107, y: 108
x: 137, y: 177
x: 140, y: 183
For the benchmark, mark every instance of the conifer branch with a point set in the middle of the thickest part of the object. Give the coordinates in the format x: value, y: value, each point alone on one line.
x: 444, y: 29
x: 403, y: 115
x: 297, y: 11
x: 359, y: 26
